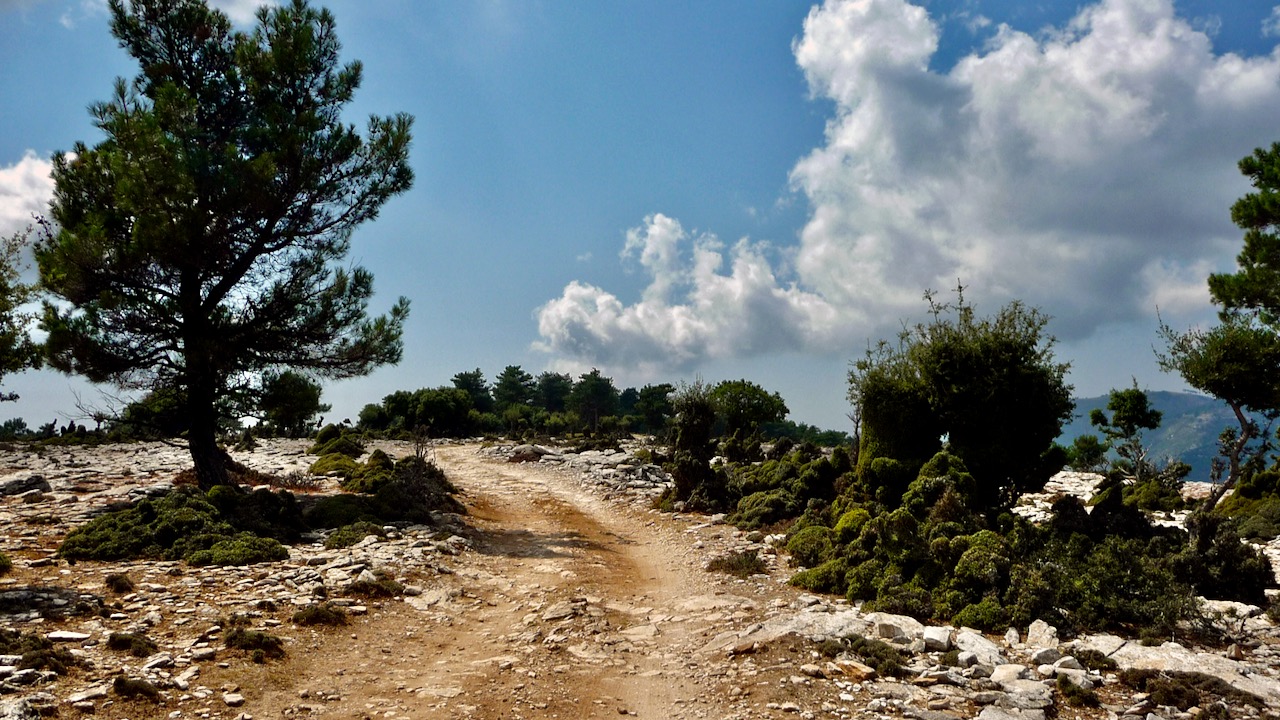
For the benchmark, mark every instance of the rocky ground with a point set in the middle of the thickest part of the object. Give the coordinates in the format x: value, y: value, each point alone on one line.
x: 560, y: 594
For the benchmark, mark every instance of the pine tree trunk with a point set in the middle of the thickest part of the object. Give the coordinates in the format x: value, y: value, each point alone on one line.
x: 202, y: 439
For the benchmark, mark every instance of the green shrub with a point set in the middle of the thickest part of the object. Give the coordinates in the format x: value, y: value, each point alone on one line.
x: 382, y: 586
x: 986, y: 614
x: 333, y: 511
x: 741, y: 564
x: 378, y: 471
x: 419, y: 489
x: 336, y: 464
x: 902, y: 599
x: 322, y: 614
x: 887, y: 660
x: 850, y: 525
x: 764, y: 508
x: 829, y: 577
x: 1185, y: 690
x: 119, y: 583
x: 243, y: 549
x: 1094, y: 659
x: 327, y: 433
x: 1159, y: 493
x: 133, y: 688
x: 6, y: 563
x: 341, y: 445
x: 810, y: 546
x: 1264, y: 523
x: 349, y: 535
x: 37, y: 652
x: 137, y: 645
x: 254, y: 641
x: 186, y: 521
x: 1074, y: 695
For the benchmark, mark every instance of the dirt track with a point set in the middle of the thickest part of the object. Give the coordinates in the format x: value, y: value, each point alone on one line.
x: 566, y: 607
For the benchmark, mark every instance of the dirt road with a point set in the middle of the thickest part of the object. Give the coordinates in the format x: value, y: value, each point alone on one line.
x: 567, y: 606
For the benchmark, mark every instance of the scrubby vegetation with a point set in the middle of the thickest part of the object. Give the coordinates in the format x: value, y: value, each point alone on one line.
x: 742, y: 564
x: 916, y: 519
x: 230, y: 526
x: 1185, y: 690
x: 382, y: 585
x: 349, y: 535
x: 258, y: 644
x: 118, y: 583
x: 37, y: 651
x: 224, y: 525
x: 134, y: 688
x: 135, y: 644
x: 884, y: 658
x: 321, y: 614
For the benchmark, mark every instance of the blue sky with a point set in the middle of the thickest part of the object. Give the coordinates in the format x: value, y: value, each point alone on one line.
x: 666, y: 190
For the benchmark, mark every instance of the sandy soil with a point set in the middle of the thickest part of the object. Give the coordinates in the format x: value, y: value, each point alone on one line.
x: 493, y: 645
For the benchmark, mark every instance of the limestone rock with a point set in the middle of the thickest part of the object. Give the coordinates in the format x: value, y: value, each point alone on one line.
x: 987, y: 652
x: 1041, y: 635
x: 937, y: 638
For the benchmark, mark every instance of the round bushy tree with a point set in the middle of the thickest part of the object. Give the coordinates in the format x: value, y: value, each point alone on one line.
x: 990, y: 387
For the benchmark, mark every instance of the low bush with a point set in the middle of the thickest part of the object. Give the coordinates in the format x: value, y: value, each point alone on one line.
x: 341, y: 445
x: 136, y: 644
x: 321, y: 614
x: 6, y: 563
x: 377, y: 472
x: 887, y: 660
x: 296, y: 481
x: 1185, y: 690
x: 326, y: 434
x: 258, y: 644
x: 223, y: 526
x: 349, y: 535
x: 118, y: 583
x: 381, y: 586
x: 1094, y: 659
x: 828, y: 577
x: 337, y: 464
x: 37, y: 652
x: 243, y: 549
x: 134, y: 688
x: 742, y: 564
x: 811, y: 546
x: 1075, y: 695
x: 765, y: 508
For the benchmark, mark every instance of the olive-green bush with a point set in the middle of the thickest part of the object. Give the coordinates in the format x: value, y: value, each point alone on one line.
x: 811, y: 546
x: 349, y: 535
x: 223, y: 526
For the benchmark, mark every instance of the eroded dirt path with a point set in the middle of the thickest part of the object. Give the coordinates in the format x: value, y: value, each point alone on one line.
x: 567, y: 606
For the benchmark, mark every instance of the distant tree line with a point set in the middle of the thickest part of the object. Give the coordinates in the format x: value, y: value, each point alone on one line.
x: 518, y: 403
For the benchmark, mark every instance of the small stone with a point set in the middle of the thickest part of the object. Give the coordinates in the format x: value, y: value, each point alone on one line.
x: 233, y: 699
x: 1046, y: 656
x: 1011, y: 637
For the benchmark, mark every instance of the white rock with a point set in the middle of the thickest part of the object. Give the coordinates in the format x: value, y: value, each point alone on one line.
x: 937, y: 638
x: 987, y: 652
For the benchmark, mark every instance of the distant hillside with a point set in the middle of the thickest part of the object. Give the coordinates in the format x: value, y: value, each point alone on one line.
x: 1189, y: 429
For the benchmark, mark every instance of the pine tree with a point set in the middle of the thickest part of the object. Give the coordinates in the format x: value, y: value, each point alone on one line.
x: 198, y: 245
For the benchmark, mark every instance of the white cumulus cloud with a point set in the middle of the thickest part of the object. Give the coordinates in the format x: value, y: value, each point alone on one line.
x: 25, y: 190
x: 1087, y: 170
x: 241, y: 12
